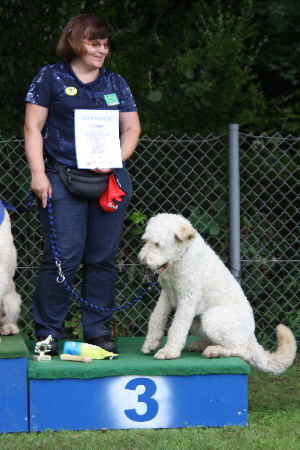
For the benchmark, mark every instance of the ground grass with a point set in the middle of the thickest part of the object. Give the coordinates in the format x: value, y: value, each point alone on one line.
x: 274, y: 423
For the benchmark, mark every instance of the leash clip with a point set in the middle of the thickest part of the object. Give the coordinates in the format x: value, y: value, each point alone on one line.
x: 60, y: 278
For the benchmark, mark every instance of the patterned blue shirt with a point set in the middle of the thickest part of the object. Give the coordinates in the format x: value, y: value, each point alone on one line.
x: 57, y: 88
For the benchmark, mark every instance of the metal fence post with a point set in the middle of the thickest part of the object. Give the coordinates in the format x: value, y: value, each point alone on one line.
x: 234, y: 202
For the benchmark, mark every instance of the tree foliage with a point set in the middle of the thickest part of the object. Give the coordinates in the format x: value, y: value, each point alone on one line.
x: 194, y: 65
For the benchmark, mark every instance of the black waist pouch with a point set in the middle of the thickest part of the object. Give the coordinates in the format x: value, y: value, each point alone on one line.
x: 83, y: 183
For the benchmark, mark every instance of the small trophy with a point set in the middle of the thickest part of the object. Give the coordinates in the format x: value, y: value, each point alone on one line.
x: 42, y: 348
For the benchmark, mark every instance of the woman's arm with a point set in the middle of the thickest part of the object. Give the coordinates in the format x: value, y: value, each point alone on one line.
x: 130, y: 130
x: 35, y: 118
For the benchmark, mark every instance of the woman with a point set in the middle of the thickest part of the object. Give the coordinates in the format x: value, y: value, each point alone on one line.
x: 86, y: 234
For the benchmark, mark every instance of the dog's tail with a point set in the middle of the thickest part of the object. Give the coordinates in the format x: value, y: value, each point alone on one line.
x: 278, y: 361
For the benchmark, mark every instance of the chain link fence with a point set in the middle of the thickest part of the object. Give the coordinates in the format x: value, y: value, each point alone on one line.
x: 187, y: 175
x: 270, y: 218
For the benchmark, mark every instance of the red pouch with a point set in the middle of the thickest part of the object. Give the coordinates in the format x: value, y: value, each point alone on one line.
x: 114, y: 194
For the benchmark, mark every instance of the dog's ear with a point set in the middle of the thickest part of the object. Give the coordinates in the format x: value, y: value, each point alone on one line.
x: 184, y: 233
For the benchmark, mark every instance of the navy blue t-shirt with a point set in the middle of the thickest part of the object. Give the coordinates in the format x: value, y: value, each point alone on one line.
x: 57, y: 88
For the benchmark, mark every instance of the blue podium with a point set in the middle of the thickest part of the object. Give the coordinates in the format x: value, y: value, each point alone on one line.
x: 136, y: 391
x: 139, y: 402
x: 13, y: 384
x: 132, y: 391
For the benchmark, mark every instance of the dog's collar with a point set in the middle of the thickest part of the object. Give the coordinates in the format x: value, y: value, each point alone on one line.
x: 3, y: 206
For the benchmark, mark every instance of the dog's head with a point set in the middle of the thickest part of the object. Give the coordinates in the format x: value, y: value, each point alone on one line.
x: 166, y: 238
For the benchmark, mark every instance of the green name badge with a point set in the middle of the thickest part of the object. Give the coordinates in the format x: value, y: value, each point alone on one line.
x: 111, y: 99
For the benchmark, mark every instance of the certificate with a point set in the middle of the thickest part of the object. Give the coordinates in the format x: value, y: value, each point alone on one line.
x: 97, y: 140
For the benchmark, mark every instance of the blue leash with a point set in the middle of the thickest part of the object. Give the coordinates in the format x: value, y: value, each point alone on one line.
x: 61, y: 279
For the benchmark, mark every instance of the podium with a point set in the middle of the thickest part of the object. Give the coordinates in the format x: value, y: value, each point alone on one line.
x: 13, y: 384
x: 137, y: 391
x: 131, y: 391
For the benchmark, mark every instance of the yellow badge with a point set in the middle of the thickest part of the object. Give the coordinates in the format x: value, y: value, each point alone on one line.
x: 70, y: 90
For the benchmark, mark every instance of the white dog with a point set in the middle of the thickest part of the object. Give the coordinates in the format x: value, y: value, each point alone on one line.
x: 10, y: 301
x: 207, y: 300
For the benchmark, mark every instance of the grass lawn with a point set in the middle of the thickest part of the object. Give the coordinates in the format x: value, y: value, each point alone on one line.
x: 274, y: 423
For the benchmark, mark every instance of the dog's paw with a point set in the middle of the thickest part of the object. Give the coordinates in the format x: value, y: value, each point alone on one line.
x: 166, y: 353
x: 150, y: 346
x: 9, y: 329
x: 215, y: 351
x: 146, y: 350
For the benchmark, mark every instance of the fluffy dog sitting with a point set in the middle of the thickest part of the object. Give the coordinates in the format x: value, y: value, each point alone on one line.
x: 10, y: 301
x: 207, y: 300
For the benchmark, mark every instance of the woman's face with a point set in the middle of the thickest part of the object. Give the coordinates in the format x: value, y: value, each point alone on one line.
x: 95, y: 52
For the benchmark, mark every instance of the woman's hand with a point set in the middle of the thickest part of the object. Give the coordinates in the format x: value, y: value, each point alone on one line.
x: 102, y: 170
x: 41, y: 186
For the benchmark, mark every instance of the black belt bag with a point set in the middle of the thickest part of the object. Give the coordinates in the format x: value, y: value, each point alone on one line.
x: 81, y: 182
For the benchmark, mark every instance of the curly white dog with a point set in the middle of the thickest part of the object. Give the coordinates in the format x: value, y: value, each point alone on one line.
x: 207, y: 300
x: 10, y: 301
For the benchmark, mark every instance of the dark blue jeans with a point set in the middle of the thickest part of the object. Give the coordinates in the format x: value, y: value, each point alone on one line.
x: 86, y: 235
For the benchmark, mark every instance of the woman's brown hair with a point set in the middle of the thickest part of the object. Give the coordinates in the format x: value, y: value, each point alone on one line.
x: 84, y: 26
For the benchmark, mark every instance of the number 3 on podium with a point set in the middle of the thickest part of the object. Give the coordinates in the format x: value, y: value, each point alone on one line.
x: 145, y: 397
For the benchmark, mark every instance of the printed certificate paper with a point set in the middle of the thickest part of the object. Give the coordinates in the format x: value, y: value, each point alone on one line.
x: 97, y: 139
